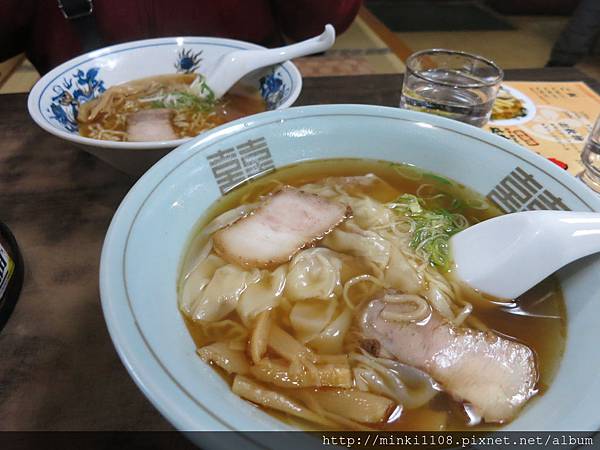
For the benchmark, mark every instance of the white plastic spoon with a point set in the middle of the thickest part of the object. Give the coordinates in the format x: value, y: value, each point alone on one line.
x: 507, y: 255
x: 231, y: 67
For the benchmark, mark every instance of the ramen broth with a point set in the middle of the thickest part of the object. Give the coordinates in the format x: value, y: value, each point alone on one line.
x: 109, y: 116
x: 537, y: 319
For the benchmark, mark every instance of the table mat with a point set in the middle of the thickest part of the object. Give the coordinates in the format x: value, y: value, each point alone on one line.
x: 551, y: 118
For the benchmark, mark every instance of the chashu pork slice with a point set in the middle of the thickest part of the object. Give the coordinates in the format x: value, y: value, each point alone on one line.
x: 496, y: 376
x: 150, y: 125
x: 286, y: 222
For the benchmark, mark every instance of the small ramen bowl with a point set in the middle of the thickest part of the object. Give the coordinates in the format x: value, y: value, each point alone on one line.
x: 149, y: 234
x: 55, y: 99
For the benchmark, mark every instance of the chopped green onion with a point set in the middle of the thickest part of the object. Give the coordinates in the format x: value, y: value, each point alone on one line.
x: 201, y: 89
x: 432, y: 230
x: 437, y: 178
x: 197, y: 97
x: 184, y: 100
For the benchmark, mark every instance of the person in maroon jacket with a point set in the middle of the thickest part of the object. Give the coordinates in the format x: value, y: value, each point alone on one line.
x: 40, y: 29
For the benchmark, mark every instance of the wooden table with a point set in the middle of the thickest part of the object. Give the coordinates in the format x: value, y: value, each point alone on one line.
x: 58, y: 367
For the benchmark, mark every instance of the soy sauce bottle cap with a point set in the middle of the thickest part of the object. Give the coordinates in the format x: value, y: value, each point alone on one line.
x: 11, y: 273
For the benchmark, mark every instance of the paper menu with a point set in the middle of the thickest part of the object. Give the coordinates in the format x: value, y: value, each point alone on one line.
x: 550, y: 118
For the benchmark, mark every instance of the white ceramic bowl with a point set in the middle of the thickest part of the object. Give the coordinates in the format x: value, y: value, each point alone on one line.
x: 148, y: 235
x: 54, y: 100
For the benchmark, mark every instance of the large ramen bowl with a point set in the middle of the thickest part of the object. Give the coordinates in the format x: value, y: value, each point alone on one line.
x: 54, y: 101
x: 148, y: 236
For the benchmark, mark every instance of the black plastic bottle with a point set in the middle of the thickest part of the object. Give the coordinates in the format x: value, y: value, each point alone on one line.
x: 11, y: 273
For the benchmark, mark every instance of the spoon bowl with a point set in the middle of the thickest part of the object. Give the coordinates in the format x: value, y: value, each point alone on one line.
x: 507, y: 255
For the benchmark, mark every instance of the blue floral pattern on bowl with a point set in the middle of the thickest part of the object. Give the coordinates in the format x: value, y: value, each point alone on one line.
x: 272, y: 89
x: 73, y: 92
x: 56, y: 99
x: 188, y: 61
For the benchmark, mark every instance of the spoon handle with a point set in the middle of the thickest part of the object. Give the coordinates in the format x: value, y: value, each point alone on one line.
x: 261, y: 58
x: 507, y: 255
x: 233, y: 66
x: 582, y: 230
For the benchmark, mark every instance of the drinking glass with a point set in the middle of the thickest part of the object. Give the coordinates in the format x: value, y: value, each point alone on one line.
x: 590, y: 157
x: 450, y: 83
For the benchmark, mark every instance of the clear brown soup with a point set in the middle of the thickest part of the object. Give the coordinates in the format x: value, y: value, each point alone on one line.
x: 539, y: 320
x: 118, y: 102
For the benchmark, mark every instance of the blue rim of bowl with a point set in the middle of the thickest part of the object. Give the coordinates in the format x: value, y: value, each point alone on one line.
x: 290, y: 69
x: 220, y: 133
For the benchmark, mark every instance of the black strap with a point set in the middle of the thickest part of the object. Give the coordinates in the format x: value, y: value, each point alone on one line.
x: 80, y: 14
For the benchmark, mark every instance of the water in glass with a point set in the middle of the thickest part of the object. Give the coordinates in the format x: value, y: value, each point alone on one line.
x: 472, y: 106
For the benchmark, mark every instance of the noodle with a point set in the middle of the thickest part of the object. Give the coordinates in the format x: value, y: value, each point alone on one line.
x: 291, y: 337
x: 355, y: 280
x: 106, y: 117
x: 421, y: 188
x: 420, y: 311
